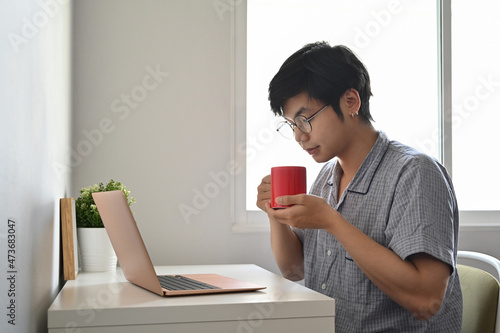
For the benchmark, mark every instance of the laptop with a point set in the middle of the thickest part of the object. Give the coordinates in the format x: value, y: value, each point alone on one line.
x: 136, y: 263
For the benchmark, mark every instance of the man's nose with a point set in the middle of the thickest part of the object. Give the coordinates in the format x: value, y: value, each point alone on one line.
x: 300, y: 136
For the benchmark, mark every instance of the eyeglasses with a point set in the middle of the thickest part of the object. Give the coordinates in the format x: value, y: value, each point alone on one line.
x: 287, y: 129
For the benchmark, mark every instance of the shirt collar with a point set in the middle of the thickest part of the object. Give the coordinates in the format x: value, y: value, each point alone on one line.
x: 364, y: 176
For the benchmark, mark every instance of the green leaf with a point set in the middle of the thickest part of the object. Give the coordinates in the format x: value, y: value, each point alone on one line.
x: 87, y: 215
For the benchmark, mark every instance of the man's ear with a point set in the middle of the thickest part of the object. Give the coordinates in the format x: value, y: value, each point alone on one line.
x: 352, y: 101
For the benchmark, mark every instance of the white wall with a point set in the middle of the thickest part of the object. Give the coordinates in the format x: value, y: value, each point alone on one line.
x: 163, y: 137
x: 34, y: 135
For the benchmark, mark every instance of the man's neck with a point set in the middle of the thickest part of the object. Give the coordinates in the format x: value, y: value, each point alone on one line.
x: 359, y: 148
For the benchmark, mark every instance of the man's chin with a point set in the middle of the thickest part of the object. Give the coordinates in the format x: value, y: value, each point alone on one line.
x: 320, y: 159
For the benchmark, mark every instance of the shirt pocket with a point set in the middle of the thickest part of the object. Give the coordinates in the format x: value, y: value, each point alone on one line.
x: 360, y: 288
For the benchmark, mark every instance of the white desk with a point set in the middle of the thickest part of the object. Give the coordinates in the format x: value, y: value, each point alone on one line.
x: 106, y: 302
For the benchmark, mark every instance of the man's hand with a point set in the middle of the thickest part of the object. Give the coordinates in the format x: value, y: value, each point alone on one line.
x: 286, y: 246
x: 307, y: 212
x: 264, y: 193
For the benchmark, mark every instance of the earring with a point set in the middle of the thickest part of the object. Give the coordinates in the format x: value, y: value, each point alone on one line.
x: 352, y: 114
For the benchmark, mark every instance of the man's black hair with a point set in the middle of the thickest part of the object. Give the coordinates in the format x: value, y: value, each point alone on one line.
x: 325, y: 73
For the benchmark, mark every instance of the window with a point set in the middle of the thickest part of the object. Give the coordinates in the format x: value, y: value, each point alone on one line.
x: 476, y: 97
x: 398, y: 41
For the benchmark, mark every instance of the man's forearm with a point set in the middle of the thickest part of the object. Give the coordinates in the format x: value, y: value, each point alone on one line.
x: 418, y: 284
x: 287, y: 251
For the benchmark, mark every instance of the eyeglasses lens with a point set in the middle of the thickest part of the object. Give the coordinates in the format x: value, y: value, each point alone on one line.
x: 285, y: 129
x: 303, y: 124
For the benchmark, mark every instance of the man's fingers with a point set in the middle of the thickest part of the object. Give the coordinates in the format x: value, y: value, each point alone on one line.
x: 287, y: 200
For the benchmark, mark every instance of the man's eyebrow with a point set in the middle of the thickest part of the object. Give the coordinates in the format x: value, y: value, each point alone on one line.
x: 298, y: 113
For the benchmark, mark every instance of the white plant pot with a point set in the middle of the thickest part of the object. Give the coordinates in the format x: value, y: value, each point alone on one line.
x: 97, y: 253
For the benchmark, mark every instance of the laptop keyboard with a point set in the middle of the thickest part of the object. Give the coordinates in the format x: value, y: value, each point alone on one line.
x: 178, y: 282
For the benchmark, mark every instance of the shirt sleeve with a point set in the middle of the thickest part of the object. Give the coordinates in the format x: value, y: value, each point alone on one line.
x: 423, y: 212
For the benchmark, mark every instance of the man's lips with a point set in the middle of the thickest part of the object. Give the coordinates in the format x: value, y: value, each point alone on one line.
x: 313, y: 150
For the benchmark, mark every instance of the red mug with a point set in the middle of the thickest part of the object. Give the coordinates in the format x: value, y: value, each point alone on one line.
x: 287, y: 180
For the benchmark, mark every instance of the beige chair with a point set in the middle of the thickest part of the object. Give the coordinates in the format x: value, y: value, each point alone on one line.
x: 481, y: 294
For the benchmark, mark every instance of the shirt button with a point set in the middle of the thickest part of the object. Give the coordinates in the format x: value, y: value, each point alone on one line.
x: 323, y: 286
x: 329, y: 252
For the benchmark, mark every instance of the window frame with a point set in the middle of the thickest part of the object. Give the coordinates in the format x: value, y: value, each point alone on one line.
x: 243, y: 220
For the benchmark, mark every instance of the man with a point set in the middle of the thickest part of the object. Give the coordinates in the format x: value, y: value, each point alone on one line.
x: 379, y: 230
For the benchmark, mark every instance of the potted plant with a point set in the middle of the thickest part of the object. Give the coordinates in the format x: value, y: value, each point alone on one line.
x: 97, y: 254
